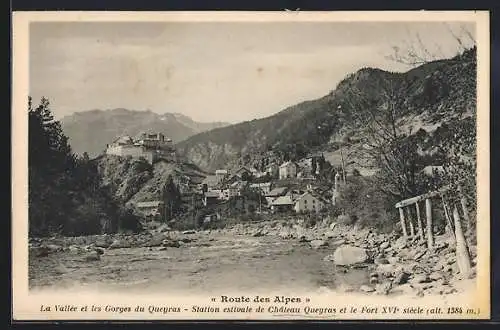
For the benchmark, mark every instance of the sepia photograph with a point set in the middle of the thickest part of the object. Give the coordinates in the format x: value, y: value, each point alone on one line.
x: 251, y: 165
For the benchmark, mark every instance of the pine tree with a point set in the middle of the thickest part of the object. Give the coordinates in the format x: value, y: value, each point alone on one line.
x: 171, y: 197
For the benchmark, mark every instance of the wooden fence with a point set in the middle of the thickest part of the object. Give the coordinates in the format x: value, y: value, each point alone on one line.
x: 415, y: 227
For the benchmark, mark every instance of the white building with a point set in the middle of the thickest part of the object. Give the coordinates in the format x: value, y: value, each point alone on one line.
x: 287, y: 170
x: 307, y: 202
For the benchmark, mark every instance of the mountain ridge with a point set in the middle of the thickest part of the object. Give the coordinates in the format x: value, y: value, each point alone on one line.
x: 428, y: 94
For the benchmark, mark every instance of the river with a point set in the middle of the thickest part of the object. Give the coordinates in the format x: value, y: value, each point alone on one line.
x: 213, y: 261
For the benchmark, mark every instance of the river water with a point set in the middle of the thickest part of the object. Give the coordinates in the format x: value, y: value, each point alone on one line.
x: 213, y: 262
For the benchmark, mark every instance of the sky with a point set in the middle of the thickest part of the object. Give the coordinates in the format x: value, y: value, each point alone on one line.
x: 213, y: 71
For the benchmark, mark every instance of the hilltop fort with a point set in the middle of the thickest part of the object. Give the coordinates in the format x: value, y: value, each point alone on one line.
x: 148, y: 146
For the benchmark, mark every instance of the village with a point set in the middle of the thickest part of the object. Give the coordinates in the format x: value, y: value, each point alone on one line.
x: 288, y: 187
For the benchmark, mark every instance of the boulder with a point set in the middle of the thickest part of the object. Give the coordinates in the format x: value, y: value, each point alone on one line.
x: 329, y: 257
x: 346, y: 255
x: 45, y: 250
x: 400, y: 243
x: 120, y: 244
x: 318, y: 243
x: 381, y: 261
x: 345, y: 288
x: 418, y: 255
x: 419, y: 278
x: 329, y: 234
x: 304, y: 239
x: 450, y: 260
x: 170, y: 243
x: 74, y: 248
x: 339, y: 242
x: 411, y: 267
x: 383, y: 288
x: 39, y: 251
x: 405, y: 289
x: 99, y: 250
x: 92, y: 256
x: 434, y: 276
x: 258, y: 233
x: 386, y: 270
x: 393, y: 260
x: 440, y: 265
x: 367, y: 288
x: 154, y: 241
x: 103, y: 242
x: 384, y: 245
x: 401, y: 277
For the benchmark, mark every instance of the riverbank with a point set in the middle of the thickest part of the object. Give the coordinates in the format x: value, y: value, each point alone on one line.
x: 254, y: 256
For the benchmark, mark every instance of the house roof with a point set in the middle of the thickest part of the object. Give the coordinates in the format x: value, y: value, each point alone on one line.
x: 283, y: 200
x: 243, y: 168
x: 258, y: 185
x: 277, y: 191
x: 315, y: 195
x: 315, y: 155
x: 221, y: 172
x: 238, y: 184
x: 287, y: 164
x: 149, y: 204
x: 211, y: 194
x: 210, y: 180
x: 295, y: 192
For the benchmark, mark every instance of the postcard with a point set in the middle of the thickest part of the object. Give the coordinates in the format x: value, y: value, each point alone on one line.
x: 250, y: 165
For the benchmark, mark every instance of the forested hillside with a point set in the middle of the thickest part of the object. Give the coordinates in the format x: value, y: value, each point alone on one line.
x: 65, y: 192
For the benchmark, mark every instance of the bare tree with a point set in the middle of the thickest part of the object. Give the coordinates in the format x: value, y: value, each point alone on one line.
x: 415, y: 51
x: 383, y: 128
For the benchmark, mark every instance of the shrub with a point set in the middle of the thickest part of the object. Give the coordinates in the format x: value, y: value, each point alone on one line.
x: 363, y: 202
x: 346, y: 219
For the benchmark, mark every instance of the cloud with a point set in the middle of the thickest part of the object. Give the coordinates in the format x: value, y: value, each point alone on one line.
x: 210, y: 71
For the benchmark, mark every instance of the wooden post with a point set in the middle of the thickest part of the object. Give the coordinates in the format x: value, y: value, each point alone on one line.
x: 419, y: 222
x: 462, y: 253
x: 465, y: 211
x: 403, y: 222
x: 428, y: 215
x: 412, y: 229
x: 448, y: 220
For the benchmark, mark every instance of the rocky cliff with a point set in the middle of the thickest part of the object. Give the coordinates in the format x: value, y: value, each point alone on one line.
x: 135, y: 180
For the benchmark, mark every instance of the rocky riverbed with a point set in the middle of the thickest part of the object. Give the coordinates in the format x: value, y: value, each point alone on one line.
x: 246, y: 257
